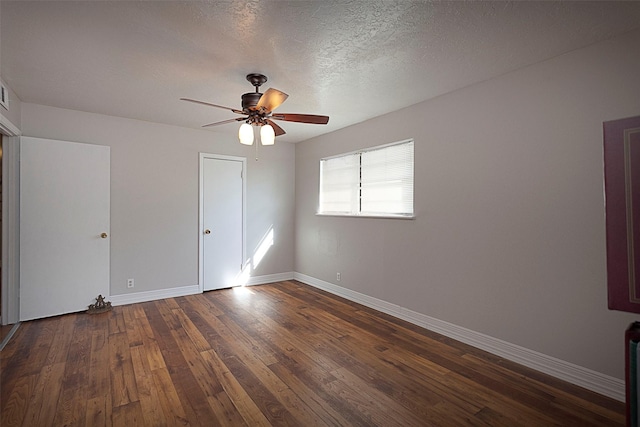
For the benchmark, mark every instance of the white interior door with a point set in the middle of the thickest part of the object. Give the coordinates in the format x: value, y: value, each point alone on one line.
x: 64, y: 211
x: 222, y: 222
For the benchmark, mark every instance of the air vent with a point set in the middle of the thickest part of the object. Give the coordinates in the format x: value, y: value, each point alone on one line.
x: 4, y: 96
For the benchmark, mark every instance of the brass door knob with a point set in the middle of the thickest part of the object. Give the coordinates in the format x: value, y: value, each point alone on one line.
x: 103, y: 235
x: 207, y: 231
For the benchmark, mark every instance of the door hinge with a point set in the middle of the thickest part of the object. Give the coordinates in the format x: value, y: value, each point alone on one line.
x: 241, y: 172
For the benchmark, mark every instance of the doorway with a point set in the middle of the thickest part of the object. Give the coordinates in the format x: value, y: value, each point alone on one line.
x: 222, y: 220
x: 1, y: 199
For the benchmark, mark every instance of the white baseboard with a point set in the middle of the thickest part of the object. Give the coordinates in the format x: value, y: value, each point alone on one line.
x: 188, y: 290
x: 270, y: 278
x: 153, y: 295
x: 578, y: 375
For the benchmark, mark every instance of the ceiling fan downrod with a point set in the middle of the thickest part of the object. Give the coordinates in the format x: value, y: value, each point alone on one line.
x: 256, y: 79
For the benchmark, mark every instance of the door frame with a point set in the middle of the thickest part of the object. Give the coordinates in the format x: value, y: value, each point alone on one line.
x: 10, y: 281
x: 10, y: 230
x: 204, y: 156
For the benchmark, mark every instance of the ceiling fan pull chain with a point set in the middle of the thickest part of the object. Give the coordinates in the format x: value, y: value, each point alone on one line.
x: 257, y: 150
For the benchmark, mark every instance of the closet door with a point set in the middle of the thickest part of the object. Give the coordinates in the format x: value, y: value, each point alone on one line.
x: 222, y: 203
x: 64, y: 226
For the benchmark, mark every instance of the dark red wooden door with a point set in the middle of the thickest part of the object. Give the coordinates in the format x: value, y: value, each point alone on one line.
x: 622, y: 196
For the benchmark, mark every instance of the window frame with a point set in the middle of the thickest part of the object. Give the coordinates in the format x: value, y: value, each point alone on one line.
x: 367, y: 215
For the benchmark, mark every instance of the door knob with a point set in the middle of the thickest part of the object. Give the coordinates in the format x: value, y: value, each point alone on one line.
x: 207, y: 231
x: 103, y: 235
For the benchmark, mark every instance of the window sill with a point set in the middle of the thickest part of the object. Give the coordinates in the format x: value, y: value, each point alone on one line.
x: 367, y: 216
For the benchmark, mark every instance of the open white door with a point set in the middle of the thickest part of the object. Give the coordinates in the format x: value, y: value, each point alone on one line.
x: 222, y: 220
x: 64, y: 226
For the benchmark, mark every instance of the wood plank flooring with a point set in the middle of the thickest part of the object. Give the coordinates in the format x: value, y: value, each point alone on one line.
x: 4, y: 331
x: 279, y: 354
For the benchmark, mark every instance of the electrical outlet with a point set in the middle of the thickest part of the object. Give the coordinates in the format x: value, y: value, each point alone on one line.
x: 129, y: 283
x: 338, y: 277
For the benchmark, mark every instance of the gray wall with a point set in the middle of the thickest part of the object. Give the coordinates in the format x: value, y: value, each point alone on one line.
x: 154, y: 193
x: 509, y: 238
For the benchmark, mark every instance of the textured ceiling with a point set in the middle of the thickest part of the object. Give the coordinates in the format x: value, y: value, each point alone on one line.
x: 351, y: 60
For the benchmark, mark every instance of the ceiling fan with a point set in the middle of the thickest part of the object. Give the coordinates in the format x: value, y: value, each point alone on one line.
x: 258, y: 111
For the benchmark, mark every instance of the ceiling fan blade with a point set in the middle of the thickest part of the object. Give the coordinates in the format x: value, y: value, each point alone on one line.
x: 277, y: 129
x: 239, y: 119
x: 271, y: 99
x: 301, y: 118
x: 213, y: 105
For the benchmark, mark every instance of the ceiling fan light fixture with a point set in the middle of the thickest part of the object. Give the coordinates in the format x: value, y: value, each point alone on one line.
x: 245, y: 133
x: 267, y: 135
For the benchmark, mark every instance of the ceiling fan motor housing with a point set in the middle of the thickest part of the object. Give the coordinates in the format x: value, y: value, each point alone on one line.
x: 250, y: 100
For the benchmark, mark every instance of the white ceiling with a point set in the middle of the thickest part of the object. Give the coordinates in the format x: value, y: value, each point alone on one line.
x: 350, y: 60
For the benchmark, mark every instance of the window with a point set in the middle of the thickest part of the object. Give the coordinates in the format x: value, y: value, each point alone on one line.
x: 373, y: 182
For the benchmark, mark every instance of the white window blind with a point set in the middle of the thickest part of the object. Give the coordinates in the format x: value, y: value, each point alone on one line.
x: 339, y: 184
x: 374, y: 182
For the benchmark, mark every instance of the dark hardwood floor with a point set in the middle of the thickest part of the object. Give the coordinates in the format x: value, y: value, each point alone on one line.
x: 279, y: 354
x: 4, y: 331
